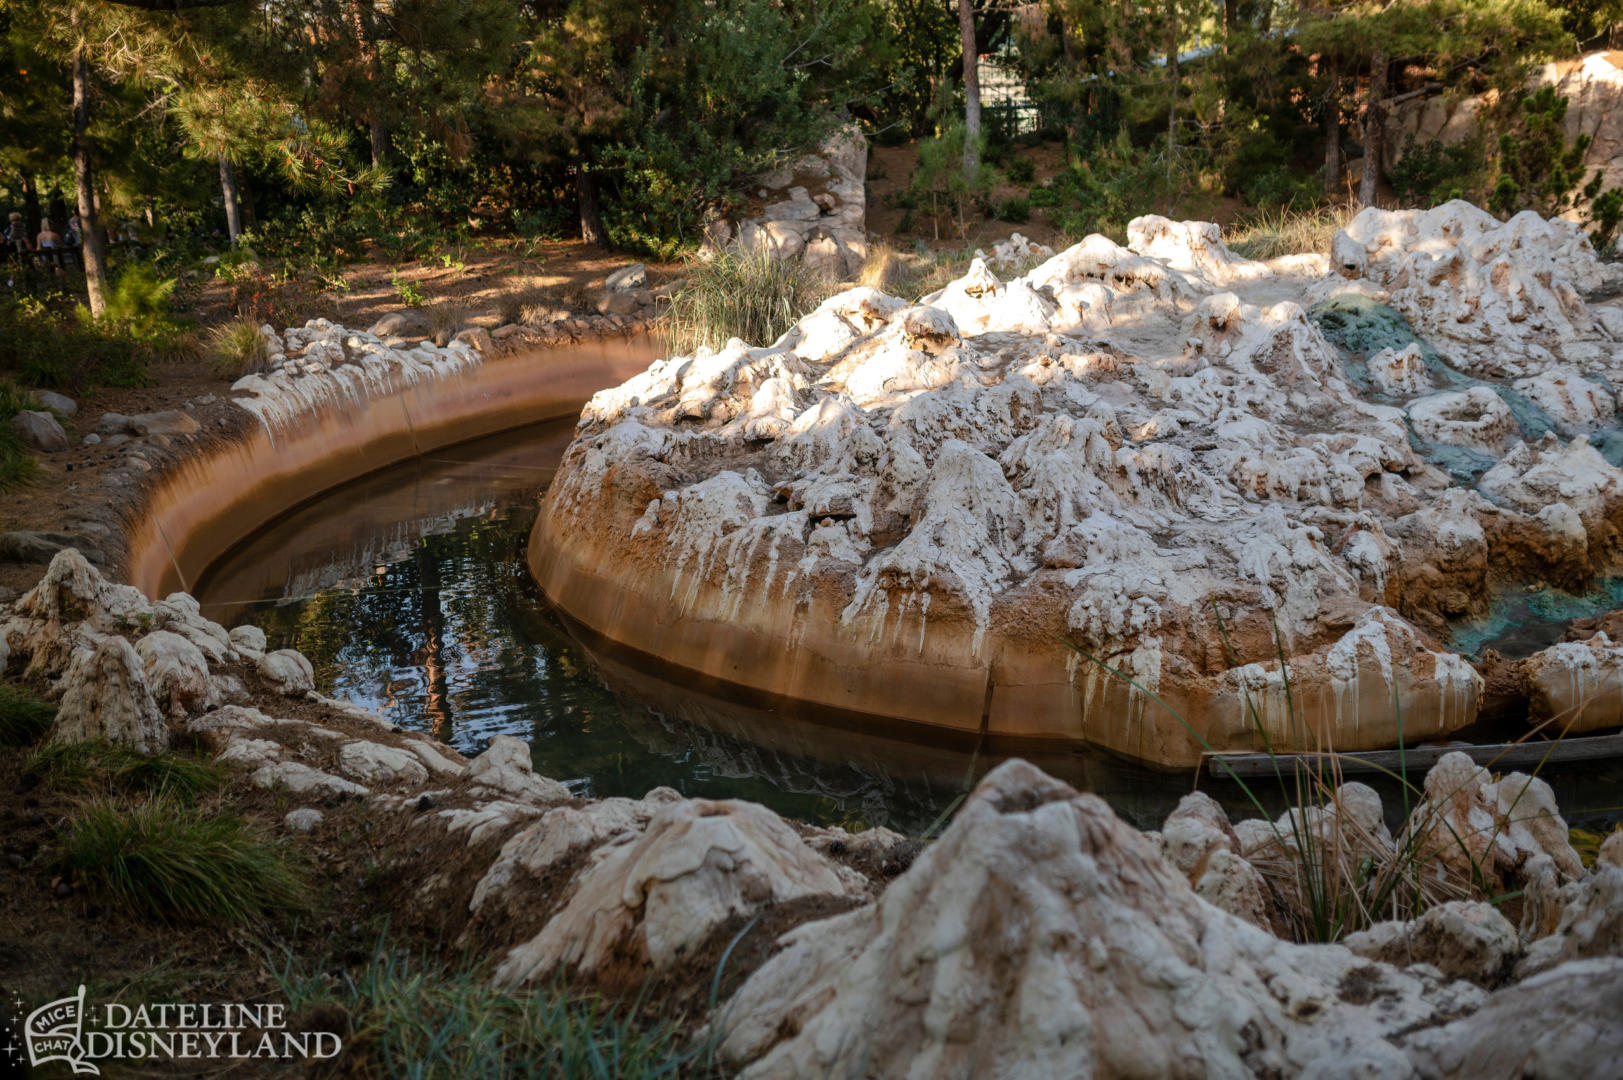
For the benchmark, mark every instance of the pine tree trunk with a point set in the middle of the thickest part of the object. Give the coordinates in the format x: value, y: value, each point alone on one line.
x: 228, y: 188
x: 1172, y: 100
x: 94, y: 251
x: 972, y: 89
x: 368, y: 48
x: 1374, y: 117
x: 31, y: 210
x: 591, y: 223
x: 1332, y: 128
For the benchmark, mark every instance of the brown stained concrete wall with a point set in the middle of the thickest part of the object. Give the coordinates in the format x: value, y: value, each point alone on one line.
x: 205, y: 503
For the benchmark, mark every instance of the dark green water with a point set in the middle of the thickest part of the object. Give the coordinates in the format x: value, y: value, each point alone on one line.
x: 407, y: 590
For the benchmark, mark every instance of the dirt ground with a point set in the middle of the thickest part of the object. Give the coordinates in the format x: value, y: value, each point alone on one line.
x: 485, y: 278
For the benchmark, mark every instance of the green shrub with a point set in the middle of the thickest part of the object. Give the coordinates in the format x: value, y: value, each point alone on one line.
x: 138, y: 305
x: 1105, y: 191
x: 1016, y: 209
x: 48, y: 346
x: 171, y: 862
x: 109, y: 768
x: 940, y: 185
x: 409, y: 1018
x: 24, y: 718
x: 1021, y: 170
x: 753, y: 297
x: 1538, y: 169
x: 1431, y: 173
x: 409, y: 292
x: 237, y: 348
x: 17, y: 463
x: 1605, y: 214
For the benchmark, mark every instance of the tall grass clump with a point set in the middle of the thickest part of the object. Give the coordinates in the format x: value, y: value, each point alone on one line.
x: 172, y: 862
x: 409, y: 1018
x: 446, y: 318
x: 750, y: 296
x: 1268, y: 234
x: 17, y: 464
x: 111, y: 769
x: 24, y: 718
x: 237, y: 348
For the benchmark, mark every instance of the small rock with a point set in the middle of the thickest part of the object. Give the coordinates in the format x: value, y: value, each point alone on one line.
x: 40, y: 431
x: 92, y: 439
x: 627, y: 278
x: 113, y: 423
x: 477, y: 336
x: 168, y: 422
x: 117, y: 440
x: 304, y: 819
x: 63, y: 890
x: 502, y: 333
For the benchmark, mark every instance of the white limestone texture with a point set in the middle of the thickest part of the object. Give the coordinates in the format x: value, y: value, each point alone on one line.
x: 1040, y: 936
x: 698, y: 863
x: 1120, y: 449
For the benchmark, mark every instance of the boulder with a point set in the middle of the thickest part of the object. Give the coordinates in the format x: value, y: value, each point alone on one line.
x: 105, y: 697
x: 1198, y: 841
x: 613, y: 302
x: 1478, y: 831
x: 248, y: 640
x: 40, y: 431
x: 287, y: 671
x: 297, y: 778
x: 176, y: 672
x: 304, y: 819
x: 699, y: 864
x: 41, y: 547
x: 1554, y: 1026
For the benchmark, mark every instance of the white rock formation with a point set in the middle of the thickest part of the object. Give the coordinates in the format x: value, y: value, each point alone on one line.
x: 376, y: 763
x: 288, y: 671
x: 1142, y: 451
x: 1462, y: 939
x: 1471, y: 828
x: 1040, y: 936
x: 814, y: 210
x: 659, y: 894
x: 105, y: 696
x: 176, y: 673
x: 505, y: 770
x: 1198, y: 840
x: 1497, y: 298
x: 1400, y: 372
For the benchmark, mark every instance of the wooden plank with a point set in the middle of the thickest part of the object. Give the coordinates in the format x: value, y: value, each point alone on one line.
x: 1498, y: 755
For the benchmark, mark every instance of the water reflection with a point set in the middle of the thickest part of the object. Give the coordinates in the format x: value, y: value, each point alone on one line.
x: 407, y: 590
